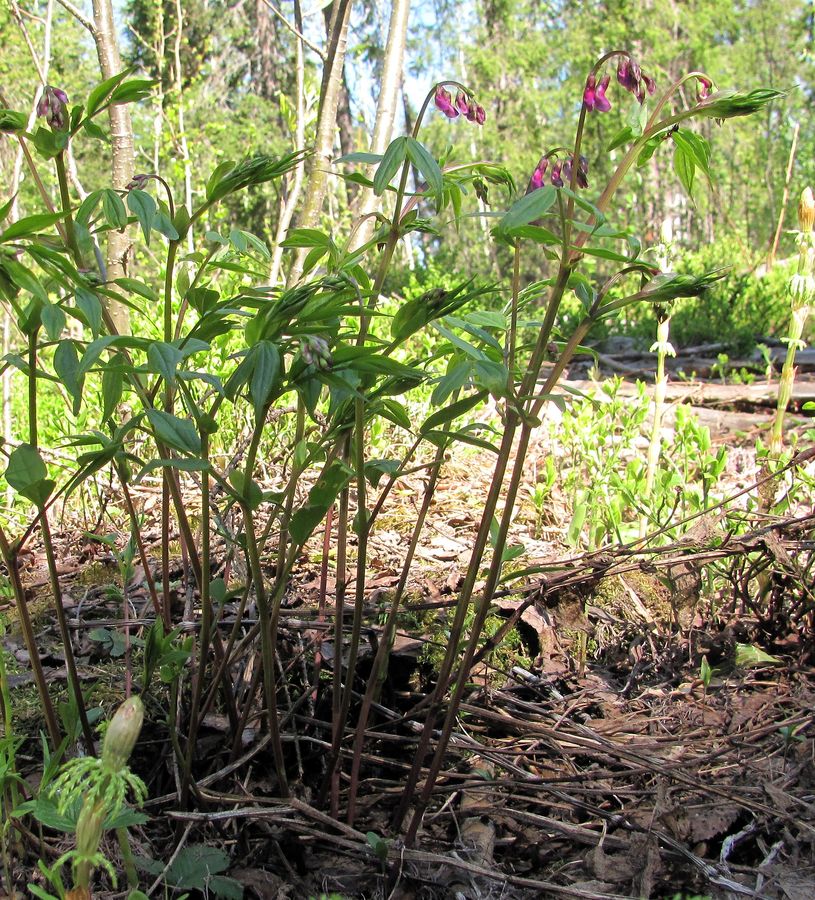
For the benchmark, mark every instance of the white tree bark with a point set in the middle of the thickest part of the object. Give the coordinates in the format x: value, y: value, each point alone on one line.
x: 368, y: 202
x: 121, y: 136
x: 326, y: 125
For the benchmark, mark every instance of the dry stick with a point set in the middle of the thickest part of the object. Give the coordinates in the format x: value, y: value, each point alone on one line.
x: 386, y: 639
x: 10, y: 559
x: 134, y: 523
x: 479, y: 548
x: 332, y: 776
x: 784, y: 198
x: 492, y: 578
x: 42, y: 516
x: 204, y: 637
x: 660, y: 387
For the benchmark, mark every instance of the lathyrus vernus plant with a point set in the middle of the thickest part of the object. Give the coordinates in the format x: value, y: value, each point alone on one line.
x: 556, y: 215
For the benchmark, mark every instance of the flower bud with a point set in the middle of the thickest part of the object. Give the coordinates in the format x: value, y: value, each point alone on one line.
x: 806, y: 211
x: 462, y: 103
x: 138, y: 182
x: 53, y: 107
x: 122, y: 734
x: 703, y: 88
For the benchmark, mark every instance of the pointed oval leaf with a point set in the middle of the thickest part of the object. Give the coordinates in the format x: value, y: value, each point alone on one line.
x: 143, y: 207
x: 180, y: 434
x: 426, y: 164
x: 163, y: 359
x: 393, y: 157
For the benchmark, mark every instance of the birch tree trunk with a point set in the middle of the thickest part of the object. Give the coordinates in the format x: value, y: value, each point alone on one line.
x: 295, y: 183
x: 121, y: 136
x: 326, y: 125
x: 386, y: 106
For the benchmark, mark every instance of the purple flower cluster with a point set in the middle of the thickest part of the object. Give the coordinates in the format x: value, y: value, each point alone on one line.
x: 633, y: 79
x: 53, y: 106
x: 560, y: 173
x: 316, y: 352
x: 463, y: 105
x: 629, y: 75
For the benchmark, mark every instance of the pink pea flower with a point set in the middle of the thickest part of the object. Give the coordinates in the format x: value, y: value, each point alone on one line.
x: 704, y: 87
x: 444, y: 102
x: 594, y: 95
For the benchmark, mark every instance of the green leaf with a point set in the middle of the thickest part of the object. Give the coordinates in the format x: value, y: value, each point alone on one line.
x: 426, y: 164
x: 685, y: 168
x: 162, y: 223
x: 134, y: 286
x: 24, y: 278
x: 393, y: 158
x: 306, y: 237
x: 114, y: 209
x: 265, y: 372
x: 91, y: 308
x: 623, y: 136
x: 53, y: 320
x: 143, y: 207
x: 376, y: 468
x: 5, y: 209
x: 66, y: 365
x: 46, y: 812
x: 491, y: 376
x: 180, y: 434
x: 95, y: 131
x: 164, y: 359
x: 217, y: 175
x: 576, y: 525
x: 749, y: 655
x: 132, y: 91
x: 528, y: 208
x: 12, y: 122
x: 248, y: 489
x: 49, y: 143
x: 87, y: 207
x: 102, y: 91
x: 194, y: 866
x: 696, y: 146
x: 453, y: 411
x: 224, y: 886
x: 29, y: 225
x: 360, y: 157
x: 320, y: 498
x: 26, y: 473
x: 112, y: 385
x: 395, y: 412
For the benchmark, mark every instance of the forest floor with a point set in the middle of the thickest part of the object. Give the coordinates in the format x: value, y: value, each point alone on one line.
x: 628, y: 772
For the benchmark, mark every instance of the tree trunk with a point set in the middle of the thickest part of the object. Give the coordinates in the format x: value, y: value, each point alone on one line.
x: 385, y: 108
x: 345, y: 123
x: 121, y: 136
x: 326, y: 125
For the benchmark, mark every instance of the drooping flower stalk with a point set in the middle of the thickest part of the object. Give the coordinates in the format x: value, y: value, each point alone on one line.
x: 801, y: 289
x: 663, y: 349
